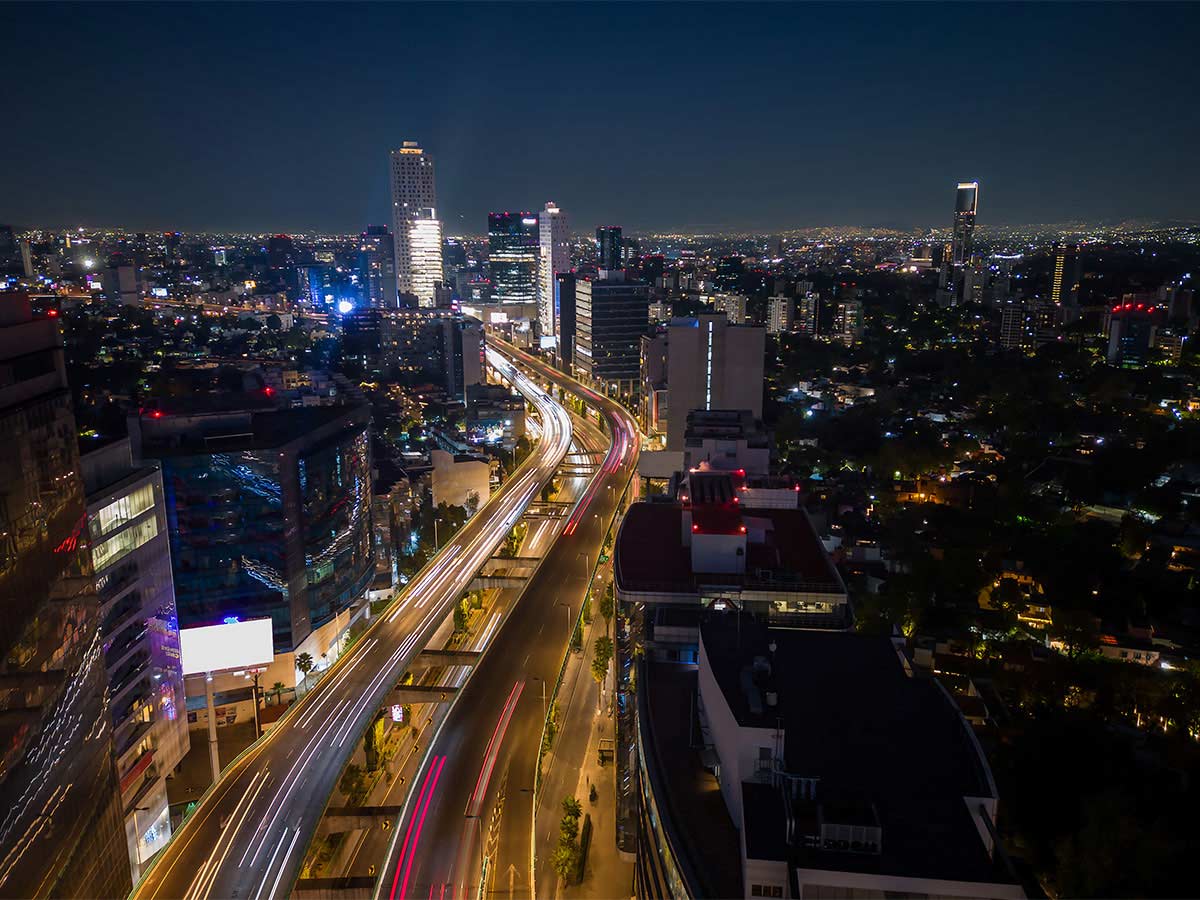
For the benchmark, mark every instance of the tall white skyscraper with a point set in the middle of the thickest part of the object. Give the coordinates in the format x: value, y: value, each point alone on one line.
x: 554, y: 256
x: 418, y: 233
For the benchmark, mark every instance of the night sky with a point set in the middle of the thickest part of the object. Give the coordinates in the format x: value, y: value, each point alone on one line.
x: 693, y: 117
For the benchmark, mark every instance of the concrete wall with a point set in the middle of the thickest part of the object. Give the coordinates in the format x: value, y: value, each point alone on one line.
x: 736, y: 747
x: 453, y: 482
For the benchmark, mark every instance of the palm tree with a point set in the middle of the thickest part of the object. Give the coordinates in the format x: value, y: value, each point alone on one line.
x: 304, y: 662
x: 277, y: 689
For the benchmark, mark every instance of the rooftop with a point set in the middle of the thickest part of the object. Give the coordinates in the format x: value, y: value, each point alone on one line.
x: 882, y: 743
x: 782, y: 549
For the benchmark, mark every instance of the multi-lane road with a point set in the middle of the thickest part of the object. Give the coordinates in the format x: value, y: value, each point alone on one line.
x: 474, y: 792
x: 587, y: 448
x: 247, y: 837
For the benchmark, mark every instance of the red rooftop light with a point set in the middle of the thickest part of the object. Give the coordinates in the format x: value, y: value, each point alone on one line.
x: 695, y: 528
x: 156, y: 414
x: 742, y: 529
x: 268, y: 390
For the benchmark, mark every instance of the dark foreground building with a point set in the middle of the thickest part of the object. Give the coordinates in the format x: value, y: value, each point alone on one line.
x: 61, y: 829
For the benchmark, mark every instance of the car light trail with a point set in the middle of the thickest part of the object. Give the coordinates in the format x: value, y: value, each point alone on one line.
x: 412, y: 853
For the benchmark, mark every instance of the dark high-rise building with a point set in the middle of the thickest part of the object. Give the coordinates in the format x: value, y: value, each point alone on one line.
x: 418, y: 345
x: 10, y: 253
x: 1065, y: 274
x: 966, y: 203
x: 514, y: 240
x: 652, y: 268
x: 377, y: 267
x: 566, y: 319
x: 281, y: 252
x: 61, y: 831
x: 608, y: 247
x: 1131, y: 332
x: 269, y: 509
x: 730, y: 270
x: 611, y: 315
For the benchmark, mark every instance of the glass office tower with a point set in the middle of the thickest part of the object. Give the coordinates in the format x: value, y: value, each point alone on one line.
x: 513, y: 246
x: 61, y: 830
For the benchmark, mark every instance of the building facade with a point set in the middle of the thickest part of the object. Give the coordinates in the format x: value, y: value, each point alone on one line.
x: 269, y: 512
x: 60, y: 804
x: 554, y: 256
x: 377, y: 267
x: 611, y: 315
x: 609, y: 248
x: 127, y: 522
x: 418, y: 345
x: 416, y: 231
x: 514, y: 240
x: 710, y: 365
x: 781, y: 314
x: 966, y: 204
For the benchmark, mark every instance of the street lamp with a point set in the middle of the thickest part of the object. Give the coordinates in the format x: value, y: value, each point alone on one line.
x: 567, y: 607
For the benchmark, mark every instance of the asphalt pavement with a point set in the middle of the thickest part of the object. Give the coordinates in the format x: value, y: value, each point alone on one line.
x: 473, y: 795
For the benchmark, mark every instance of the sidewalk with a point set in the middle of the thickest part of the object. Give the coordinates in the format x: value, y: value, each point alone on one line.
x: 571, y: 767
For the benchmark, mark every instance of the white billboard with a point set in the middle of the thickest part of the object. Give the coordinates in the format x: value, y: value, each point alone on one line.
x: 233, y: 645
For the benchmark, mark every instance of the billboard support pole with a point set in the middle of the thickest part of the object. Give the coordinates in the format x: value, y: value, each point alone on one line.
x: 214, y: 758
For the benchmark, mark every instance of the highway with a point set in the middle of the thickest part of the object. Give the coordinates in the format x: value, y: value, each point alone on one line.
x: 248, y: 836
x: 473, y: 794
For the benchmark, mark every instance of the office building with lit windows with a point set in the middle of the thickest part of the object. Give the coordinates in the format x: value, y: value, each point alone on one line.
x: 611, y: 315
x: 554, y: 257
x: 1065, y: 274
x: 416, y: 231
x: 514, y: 242
x: 60, y: 802
x: 269, y: 510
x: 127, y: 523
x: 609, y: 253
x: 781, y: 314
x: 966, y: 204
x: 377, y: 267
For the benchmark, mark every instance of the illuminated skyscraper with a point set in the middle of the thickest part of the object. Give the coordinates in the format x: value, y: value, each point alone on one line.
x: 414, y: 221
x: 554, y: 256
x: 513, y: 246
x: 425, y: 250
x: 608, y: 247
x: 377, y: 266
x: 966, y: 203
x: 61, y: 832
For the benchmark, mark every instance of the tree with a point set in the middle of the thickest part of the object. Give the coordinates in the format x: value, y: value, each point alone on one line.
x: 565, y: 860
x: 607, y: 605
x: 274, y: 322
x: 460, y: 616
x: 602, y: 653
x: 572, y: 808
x: 1008, y: 599
x: 304, y: 662
x: 277, y: 689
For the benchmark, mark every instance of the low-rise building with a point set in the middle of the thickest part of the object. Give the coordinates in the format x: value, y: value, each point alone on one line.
x: 793, y: 763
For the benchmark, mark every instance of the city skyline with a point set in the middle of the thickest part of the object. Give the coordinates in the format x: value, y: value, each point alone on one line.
x: 837, y: 125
